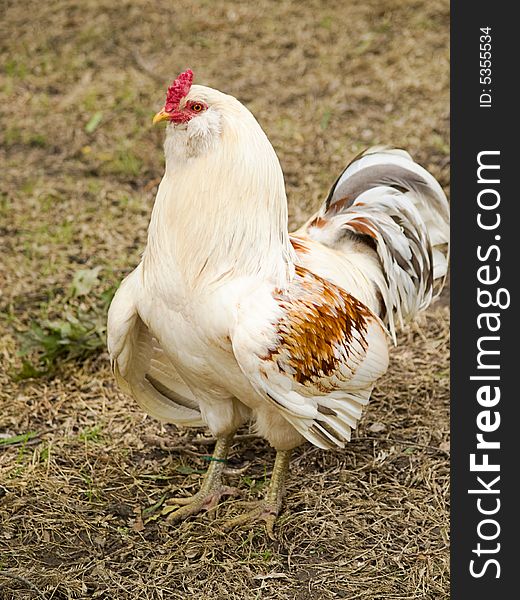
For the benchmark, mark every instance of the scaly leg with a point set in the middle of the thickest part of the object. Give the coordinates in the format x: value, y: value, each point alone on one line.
x: 211, y: 490
x: 268, y: 508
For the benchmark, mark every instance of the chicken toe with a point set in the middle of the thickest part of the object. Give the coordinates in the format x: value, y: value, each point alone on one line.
x: 269, y: 507
x: 211, y: 491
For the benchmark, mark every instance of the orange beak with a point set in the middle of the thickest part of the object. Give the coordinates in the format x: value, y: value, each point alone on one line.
x: 162, y: 115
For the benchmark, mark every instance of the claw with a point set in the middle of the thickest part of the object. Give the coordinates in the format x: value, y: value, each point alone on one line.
x: 210, y: 493
x: 181, y: 508
x: 267, y: 509
x: 264, y: 511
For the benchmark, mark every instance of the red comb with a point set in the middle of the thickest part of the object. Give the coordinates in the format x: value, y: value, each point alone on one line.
x: 178, y: 89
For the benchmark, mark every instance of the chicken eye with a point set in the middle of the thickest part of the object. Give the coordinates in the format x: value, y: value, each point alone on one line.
x: 197, y: 107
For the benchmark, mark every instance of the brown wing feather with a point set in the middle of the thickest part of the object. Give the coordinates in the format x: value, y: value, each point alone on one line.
x: 317, y: 360
x: 316, y: 331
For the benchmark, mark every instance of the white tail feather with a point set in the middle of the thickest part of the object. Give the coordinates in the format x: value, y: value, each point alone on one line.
x: 387, y: 200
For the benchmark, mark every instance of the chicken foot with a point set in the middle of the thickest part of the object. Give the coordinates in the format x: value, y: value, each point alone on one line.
x: 269, y: 507
x: 211, y: 491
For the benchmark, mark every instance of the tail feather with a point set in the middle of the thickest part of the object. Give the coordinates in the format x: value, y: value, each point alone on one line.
x: 391, y: 203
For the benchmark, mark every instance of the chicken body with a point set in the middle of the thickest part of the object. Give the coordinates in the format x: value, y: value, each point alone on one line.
x: 228, y: 318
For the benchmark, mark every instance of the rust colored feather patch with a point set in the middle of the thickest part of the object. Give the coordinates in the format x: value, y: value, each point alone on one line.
x: 178, y: 90
x: 315, y: 335
x: 299, y: 244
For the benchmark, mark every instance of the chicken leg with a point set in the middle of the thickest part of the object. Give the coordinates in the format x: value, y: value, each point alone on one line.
x: 211, y: 491
x: 268, y: 508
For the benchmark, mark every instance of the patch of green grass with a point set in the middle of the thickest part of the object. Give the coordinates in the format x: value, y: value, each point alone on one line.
x: 131, y: 203
x: 28, y: 186
x: 92, y: 492
x: 149, y: 510
x: 326, y: 22
x: 90, y: 101
x: 5, y: 205
x: 70, y: 338
x: 78, y: 333
x: 365, y: 44
x: 443, y: 374
x: 20, y: 441
x: 93, y: 122
x: 384, y: 26
x: 37, y: 140
x: 265, y: 556
x: 15, y: 68
x: 125, y: 96
x: 439, y: 143
x: 7, y: 86
x: 325, y: 119
x: 287, y: 127
x: 94, y: 186
x: 255, y: 485
x: 12, y: 135
x: 187, y: 470
x: 15, y: 135
x: 91, y: 434
x: 16, y: 439
x: 58, y: 234
x: 44, y: 454
x: 202, y: 41
x: 123, y: 163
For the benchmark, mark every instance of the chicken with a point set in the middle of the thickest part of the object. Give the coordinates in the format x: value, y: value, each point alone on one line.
x: 228, y: 318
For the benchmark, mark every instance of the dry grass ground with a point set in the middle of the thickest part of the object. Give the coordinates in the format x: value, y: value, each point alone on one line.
x: 81, y: 490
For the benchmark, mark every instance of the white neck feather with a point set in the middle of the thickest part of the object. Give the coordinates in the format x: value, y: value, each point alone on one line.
x: 221, y: 208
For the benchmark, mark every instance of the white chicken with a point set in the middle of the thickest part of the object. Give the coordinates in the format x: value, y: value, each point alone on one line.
x: 228, y: 318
